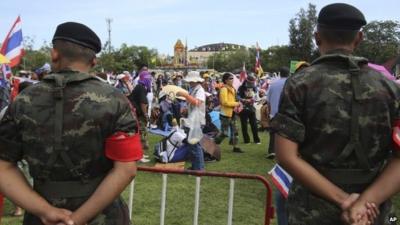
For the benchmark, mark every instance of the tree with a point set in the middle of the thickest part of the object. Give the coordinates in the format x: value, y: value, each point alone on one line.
x: 231, y: 61
x: 301, y: 29
x: 381, y: 41
x: 34, y: 59
x: 128, y: 58
x: 275, y: 57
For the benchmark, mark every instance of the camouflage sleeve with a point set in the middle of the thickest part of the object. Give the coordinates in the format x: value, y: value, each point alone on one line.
x: 10, y: 141
x: 287, y: 122
x: 126, y: 120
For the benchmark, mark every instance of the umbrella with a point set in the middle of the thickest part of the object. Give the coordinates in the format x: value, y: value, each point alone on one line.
x: 236, y: 82
x: 173, y: 90
x: 3, y: 59
x: 382, y: 70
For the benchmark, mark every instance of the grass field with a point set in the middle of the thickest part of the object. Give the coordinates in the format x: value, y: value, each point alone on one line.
x: 249, y: 196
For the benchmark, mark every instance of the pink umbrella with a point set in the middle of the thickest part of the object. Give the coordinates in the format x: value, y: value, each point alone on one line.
x: 236, y: 82
x: 382, y: 70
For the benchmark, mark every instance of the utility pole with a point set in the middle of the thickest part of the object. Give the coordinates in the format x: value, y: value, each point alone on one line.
x: 109, y: 20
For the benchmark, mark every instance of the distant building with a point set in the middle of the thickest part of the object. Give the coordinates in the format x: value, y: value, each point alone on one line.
x: 179, y: 54
x: 201, y: 54
x: 195, y: 58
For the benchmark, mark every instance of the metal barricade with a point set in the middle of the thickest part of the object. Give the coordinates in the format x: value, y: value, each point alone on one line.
x: 269, y: 210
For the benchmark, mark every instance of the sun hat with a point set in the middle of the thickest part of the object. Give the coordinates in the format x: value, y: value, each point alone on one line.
x: 193, y: 76
x: 250, y: 81
x: 121, y: 76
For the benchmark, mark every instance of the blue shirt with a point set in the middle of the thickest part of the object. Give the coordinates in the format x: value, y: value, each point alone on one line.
x: 274, y: 94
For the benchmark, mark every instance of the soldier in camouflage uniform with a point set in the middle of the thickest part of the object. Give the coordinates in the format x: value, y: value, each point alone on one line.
x: 66, y: 128
x: 334, y: 125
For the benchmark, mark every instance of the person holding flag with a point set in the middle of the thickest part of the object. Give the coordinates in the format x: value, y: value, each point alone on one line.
x: 257, y: 68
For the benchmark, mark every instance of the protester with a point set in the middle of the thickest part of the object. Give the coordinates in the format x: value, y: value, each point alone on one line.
x: 334, y: 127
x: 139, y: 100
x: 159, y: 84
x: 227, y: 96
x: 166, y: 111
x: 196, y: 101
x: 135, y: 79
x: 80, y: 162
x: 177, y: 79
x: 207, y: 83
x: 273, y: 97
x: 23, y: 165
x: 124, y: 84
x: 247, y: 93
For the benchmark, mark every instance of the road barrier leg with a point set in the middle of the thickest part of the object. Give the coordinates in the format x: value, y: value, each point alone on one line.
x: 131, y: 198
x: 163, y: 198
x: 197, y: 202
x: 230, y: 205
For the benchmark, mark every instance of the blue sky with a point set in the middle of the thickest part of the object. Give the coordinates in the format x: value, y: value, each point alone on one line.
x: 159, y: 23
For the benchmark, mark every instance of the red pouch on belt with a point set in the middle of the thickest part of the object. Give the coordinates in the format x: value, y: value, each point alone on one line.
x: 396, y: 135
x: 124, y: 148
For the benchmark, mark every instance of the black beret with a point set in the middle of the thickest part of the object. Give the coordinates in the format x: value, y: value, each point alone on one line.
x: 78, y: 33
x: 341, y: 16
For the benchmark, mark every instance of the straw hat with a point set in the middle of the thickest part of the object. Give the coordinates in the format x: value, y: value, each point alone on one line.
x: 193, y: 76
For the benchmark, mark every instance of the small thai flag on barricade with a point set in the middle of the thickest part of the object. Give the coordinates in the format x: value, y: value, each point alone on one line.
x: 281, y: 179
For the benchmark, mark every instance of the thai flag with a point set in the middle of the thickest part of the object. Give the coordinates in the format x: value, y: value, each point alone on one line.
x: 257, y: 58
x: 7, y: 73
x: 12, y: 46
x: 243, y: 74
x: 258, y: 68
x: 281, y: 179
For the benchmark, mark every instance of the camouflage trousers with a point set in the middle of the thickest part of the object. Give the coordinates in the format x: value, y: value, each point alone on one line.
x: 143, y: 133
x: 304, y: 208
x: 228, y: 128
x: 114, y: 214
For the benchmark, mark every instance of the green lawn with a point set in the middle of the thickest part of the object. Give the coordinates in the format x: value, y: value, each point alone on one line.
x: 249, y: 196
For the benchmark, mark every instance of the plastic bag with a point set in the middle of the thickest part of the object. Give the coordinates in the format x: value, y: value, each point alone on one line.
x: 195, y: 132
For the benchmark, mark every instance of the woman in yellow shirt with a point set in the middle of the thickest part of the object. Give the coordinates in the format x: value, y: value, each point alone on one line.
x: 227, y: 98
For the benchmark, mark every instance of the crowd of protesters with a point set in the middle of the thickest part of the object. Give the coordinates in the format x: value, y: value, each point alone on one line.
x: 232, y: 96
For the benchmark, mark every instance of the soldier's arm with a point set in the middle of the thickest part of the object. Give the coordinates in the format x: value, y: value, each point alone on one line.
x: 288, y: 156
x: 14, y: 185
x: 386, y: 185
x: 110, y: 188
x: 124, y: 150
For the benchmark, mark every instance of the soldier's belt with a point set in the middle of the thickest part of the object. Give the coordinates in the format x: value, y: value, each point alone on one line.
x: 350, y: 176
x: 67, y: 189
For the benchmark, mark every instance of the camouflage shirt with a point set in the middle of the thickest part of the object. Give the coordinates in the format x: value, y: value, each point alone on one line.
x: 335, y: 106
x: 92, y: 111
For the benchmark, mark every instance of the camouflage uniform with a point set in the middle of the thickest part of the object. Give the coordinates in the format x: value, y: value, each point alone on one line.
x: 340, y: 112
x: 90, y: 112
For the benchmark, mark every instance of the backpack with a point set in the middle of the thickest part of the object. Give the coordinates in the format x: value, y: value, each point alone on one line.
x: 178, y: 153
